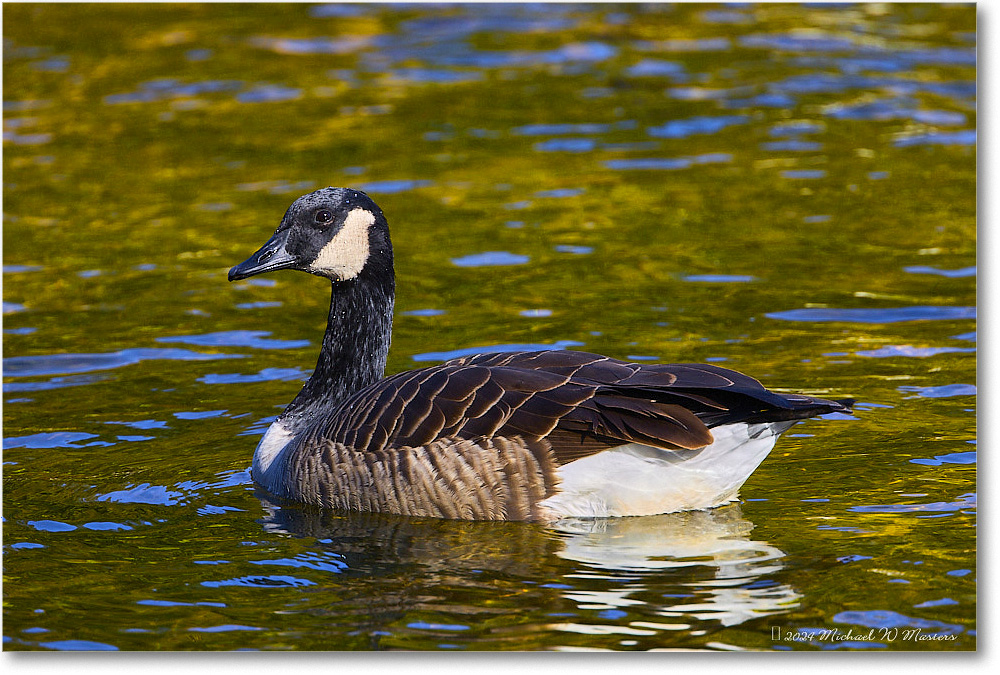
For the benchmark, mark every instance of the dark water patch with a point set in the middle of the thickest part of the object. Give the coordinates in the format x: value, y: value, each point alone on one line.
x: 143, y: 424
x: 210, y: 510
x: 227, y: 479
x: 322, y: 562
x: 795, y: 128
x: 51, y: 439
x: 722, y: 16
x: 882, y: 618
x: 566, y: 145
x: 52, y: 364
x: 224, y: 628
x: 393, y: 186
x: 912, y: 352
x: 954, y: 274
x: 493, y: 349
x: 575, y: 250
x: 177, y: 603
x: 235, y: 338
x: 943, y: 391
x: 78, y: 646
x: 56, y: 64
x: 259, y: 305
x: 214, y: 207
x: 53, y: 383
x: 966, y: 501
x: 104, y: 526
x: 169, y: 88
x: 804, y: 174
x: 197, y: 55
x: 896, y: 108
x: 25, y: 105
x: 277, y: 187
x: 339, y: 10
x: 27, y: 139
x: 964, y: 137
x: 265, y: 375
x: 527, y: 18
x: 423, y: 625
x: 51, y: 526
x: 566, y: 129
x: 144, y: 493
x: 696, y: 125
x: 766, y: 100
x: 881, y: 315
x: 431, y: 76
x: 791, y: 145
x: 423, y: 312
x: 657, y: 68
x: 943, y: 602
x: 951, y: 458
x: 630, y: 147
x: 797, y: 43
x: 720, y: 278
x: 491, y: 259
x: 716, y: 44
x: 667, y: 163
x: 460, y: 55
x: 261, y: 581
x: 559, y: 193
x: 200, y: 415
x: 941, y: 118
x: 268, y: 93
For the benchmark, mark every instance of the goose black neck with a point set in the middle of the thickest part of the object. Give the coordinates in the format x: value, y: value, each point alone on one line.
x: 355, y: 346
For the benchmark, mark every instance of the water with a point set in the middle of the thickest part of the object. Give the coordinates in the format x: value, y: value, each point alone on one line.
x: 788, y: 191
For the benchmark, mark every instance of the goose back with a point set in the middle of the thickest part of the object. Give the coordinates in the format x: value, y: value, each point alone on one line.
x: 580, y: 403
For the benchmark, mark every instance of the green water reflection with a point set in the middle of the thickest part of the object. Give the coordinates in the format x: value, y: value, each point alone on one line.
x: 788, y: 191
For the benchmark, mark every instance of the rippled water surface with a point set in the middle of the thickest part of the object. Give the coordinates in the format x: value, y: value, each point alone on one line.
x: 785, y: 190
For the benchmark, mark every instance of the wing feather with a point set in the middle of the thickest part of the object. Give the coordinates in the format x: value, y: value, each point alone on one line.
x: 579, y: 403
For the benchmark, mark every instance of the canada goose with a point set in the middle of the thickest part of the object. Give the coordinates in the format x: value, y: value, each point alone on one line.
x: 502, y: 436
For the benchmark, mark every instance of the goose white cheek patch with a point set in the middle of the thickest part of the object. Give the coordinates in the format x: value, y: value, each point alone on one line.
x: 347, y: 253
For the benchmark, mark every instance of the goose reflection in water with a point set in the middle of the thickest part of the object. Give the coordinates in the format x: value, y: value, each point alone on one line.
x: 718, y: 572
x: 728, y: 576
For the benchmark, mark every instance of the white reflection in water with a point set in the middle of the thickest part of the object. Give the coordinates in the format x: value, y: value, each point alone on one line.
x: 740, y: 586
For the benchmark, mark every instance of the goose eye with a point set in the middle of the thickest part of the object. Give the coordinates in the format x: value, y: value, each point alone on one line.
x: 324, y: 217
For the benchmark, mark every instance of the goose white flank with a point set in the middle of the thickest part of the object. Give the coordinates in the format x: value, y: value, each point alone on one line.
x: 502, y: 436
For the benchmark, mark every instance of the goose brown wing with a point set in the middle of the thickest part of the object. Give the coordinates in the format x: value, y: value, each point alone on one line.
x: 580, y: 403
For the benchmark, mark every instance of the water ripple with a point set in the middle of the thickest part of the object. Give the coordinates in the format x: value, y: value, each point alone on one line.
x: 493, y: 349
x: 491, y: 259
x: 967, y: 501
x: 234, y: 338
x: 883, y: 315
x: 954, y: 274
x: 61, y: 364
x: 913, y: 352
x: 696, y: 125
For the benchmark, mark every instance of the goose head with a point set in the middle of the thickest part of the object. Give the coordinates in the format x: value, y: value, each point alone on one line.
x: 336, y: 233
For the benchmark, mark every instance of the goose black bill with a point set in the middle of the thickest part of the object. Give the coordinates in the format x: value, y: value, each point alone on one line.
x: 271, y: 256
